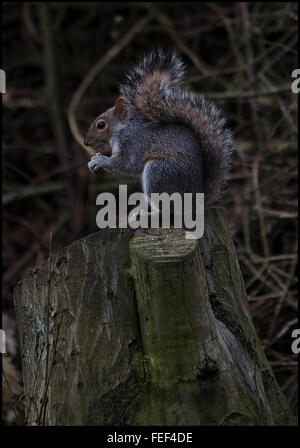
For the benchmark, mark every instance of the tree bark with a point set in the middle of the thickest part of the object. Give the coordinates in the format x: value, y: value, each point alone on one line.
x: 153, y: 329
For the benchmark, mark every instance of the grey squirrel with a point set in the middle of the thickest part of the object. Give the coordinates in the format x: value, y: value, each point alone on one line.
x: 174, y: 138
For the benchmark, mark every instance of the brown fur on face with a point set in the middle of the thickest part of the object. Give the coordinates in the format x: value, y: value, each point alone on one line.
x: 99, y: 139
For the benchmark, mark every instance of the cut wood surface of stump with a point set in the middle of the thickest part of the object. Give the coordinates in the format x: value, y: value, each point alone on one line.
x: 145, y: 329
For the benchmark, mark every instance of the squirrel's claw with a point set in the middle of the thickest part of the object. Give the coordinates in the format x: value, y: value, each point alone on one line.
x: 94, y: 165
x: 97, y: 162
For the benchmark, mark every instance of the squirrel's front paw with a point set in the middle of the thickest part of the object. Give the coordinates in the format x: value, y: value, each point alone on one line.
x: 98, y: 162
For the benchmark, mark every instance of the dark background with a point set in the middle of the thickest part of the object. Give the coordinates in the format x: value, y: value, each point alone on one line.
x: 239, y: 54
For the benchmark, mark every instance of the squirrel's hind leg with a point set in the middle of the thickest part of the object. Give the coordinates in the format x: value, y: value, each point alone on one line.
x: 162, y: 176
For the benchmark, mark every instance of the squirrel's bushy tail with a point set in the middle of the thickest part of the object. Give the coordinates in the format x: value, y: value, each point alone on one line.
x: 153, y: 89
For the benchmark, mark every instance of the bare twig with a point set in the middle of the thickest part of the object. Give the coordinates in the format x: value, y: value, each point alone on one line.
x: 262, y: 227
x: 167, y: 26
x: 247, y: 94
x: 113, y: 52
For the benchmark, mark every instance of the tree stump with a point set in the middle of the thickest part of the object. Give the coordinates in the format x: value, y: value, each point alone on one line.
x: 151, y: 329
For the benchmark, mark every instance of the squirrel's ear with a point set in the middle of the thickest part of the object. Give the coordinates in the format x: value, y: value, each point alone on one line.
x: 121, y: 109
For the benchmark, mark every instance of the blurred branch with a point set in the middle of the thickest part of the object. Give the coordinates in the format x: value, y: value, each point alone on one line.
x: 282, y: 106
x: 168, y: 27
x: 247, y: 94
x: 284, y: 292
x: 31, y: 191
x: 113, y: 52
x: 29, y: 22
x: 52, y: 84
x: 260, y: 212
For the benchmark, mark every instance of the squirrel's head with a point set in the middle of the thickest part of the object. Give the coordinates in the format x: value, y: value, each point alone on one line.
x: 103, y: 127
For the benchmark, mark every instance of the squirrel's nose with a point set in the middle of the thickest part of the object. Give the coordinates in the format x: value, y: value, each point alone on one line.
x: 86, y: 141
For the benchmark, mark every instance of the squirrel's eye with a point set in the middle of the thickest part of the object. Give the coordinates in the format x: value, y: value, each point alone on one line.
x: 101, y: 124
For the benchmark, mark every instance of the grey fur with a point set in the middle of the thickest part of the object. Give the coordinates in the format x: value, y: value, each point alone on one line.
x: 183, y: 133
